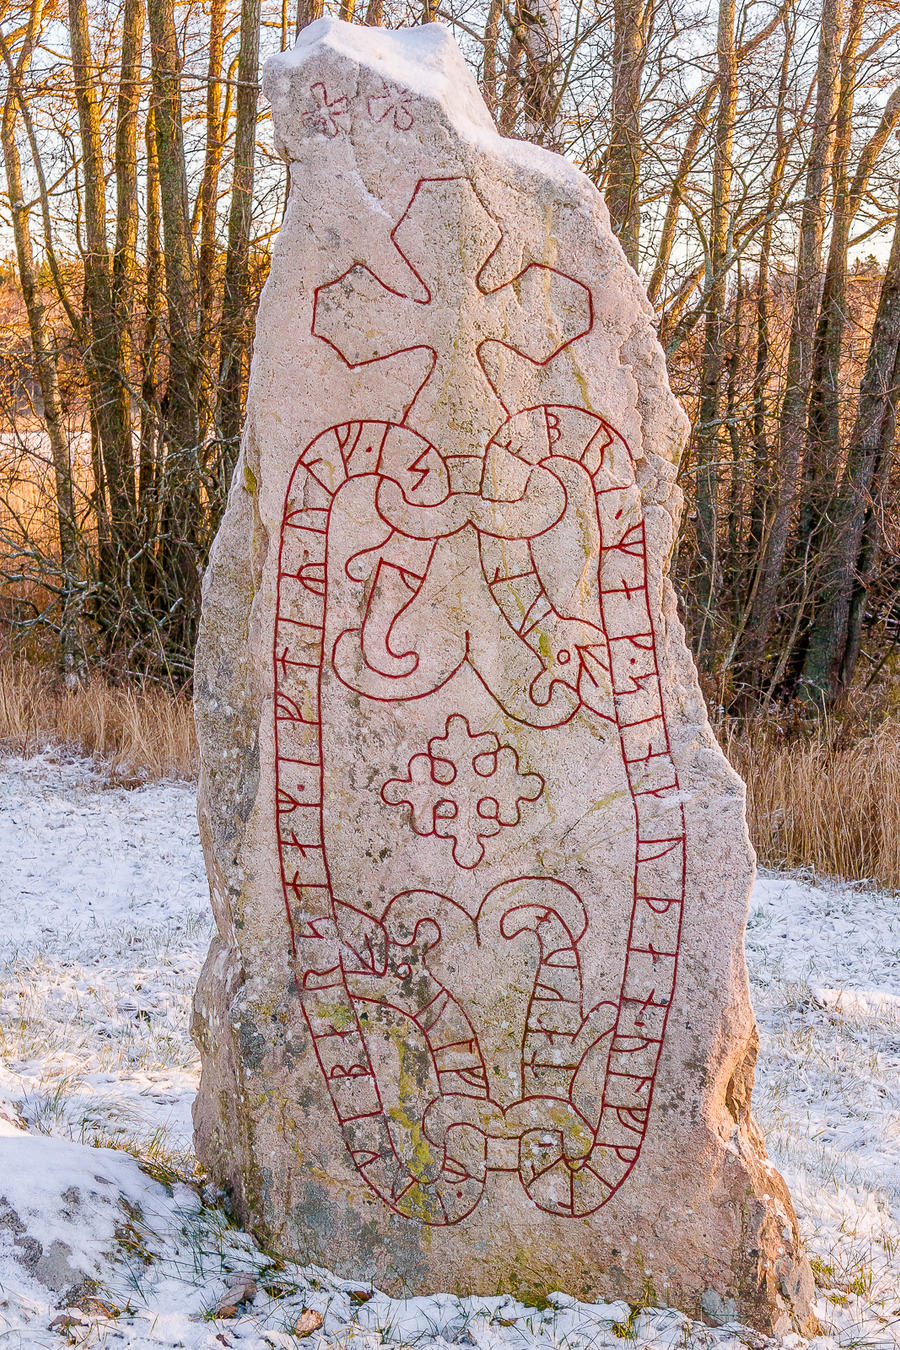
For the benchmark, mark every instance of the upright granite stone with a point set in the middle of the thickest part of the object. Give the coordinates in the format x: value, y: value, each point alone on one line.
x: 476, y: 1016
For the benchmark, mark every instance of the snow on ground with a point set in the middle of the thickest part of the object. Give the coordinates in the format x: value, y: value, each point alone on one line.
x: 104, y: 922
x: 825, y: 973
x: 103, y: 927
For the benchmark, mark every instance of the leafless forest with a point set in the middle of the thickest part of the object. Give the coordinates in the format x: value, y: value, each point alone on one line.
x: 749, y: 158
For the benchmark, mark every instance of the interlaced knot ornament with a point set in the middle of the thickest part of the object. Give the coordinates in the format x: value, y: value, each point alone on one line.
x: 514, y: 544
x: 466, y: 788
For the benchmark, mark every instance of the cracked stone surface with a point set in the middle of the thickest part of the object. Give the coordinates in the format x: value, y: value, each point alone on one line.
x: 476, y: 1017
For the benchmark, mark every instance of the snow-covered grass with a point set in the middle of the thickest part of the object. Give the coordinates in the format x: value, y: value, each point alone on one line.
x: 103, y: 926
x: 825, y: 965
x: 105, y: 921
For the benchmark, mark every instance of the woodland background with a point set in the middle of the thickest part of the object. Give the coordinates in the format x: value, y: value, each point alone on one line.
x: 748, y: 152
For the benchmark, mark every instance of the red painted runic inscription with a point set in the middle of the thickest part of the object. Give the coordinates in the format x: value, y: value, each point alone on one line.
x: 556, y: 643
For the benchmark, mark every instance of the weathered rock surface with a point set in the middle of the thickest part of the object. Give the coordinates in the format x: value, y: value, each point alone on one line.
x: 477, y: 1015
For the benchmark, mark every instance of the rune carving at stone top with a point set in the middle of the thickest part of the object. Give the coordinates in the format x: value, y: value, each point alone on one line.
x: 329, y: 113
x: 394, y: 104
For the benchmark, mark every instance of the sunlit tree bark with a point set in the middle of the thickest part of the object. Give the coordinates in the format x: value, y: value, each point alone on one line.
x: 808, y: 284
x: 207, y: 205
x: 235, y: 334
x: 178, y: 482
x: 42, y: 346
x: 125, y: 269
x: 623, y: 173
x: 714, y: 336
x: 833, y: 642
x: 105, y: 354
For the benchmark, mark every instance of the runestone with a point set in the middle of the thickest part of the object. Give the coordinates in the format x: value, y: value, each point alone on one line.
x: 476, y: 1015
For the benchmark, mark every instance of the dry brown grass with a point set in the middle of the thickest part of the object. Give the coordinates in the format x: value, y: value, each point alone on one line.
x: 823, y: 799
x: 135, y: 732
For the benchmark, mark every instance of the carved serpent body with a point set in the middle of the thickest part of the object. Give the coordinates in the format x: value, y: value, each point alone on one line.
x: 546, y: 642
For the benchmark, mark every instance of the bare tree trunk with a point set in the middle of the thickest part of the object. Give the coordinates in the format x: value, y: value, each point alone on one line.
x: 707, y: 436
x: 207, y: 198
x: 732, y: 563
x: 125, y: 268
x: 676, y: 193
x: 307, y: 12
x: 761, y: 452
x: 873, y: 530
x: 539, y: 21
x: 489, y: 61
x: 105, y: 358
x: 822, y: 461
x: 150, y: 410
x: 699, y: 126
x: 823, y: 422
x: 803, y: 326
x: 179, y: 484
x: 125, y: 256
x: 826, y: 667
x: 824, y: 431
x: 624, y: 156
x: 509, y: 102
x: 763, y: 477
x: 235, y: 336
x: 761, y: 467
x: 43, y: 351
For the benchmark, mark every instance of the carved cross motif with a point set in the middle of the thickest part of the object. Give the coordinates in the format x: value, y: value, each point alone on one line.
x: 329, y: 115
x: 447, y: 237
x: 392, y: 105
x: 465, y: 788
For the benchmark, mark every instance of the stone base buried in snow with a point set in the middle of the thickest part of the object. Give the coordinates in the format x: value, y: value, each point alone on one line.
x: 98, y: 917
